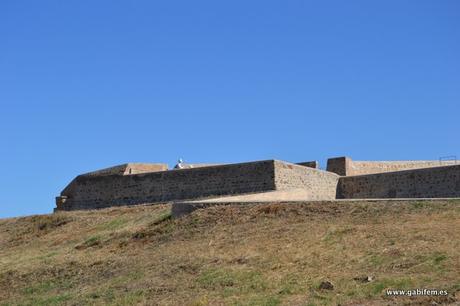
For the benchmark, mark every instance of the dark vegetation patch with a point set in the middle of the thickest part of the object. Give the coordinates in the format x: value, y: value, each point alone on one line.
x: 36, y: 226
x: 93, y: 241
x: 47, y: 223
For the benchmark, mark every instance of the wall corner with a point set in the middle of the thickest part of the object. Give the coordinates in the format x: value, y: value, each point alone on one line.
x: 339, y: 165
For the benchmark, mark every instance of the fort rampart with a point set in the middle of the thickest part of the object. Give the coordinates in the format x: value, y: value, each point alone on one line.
x: 435, y: 182
x: 321, y: 185
x: 131, y: 184
x: 92, y: 191
x: 345, y: 166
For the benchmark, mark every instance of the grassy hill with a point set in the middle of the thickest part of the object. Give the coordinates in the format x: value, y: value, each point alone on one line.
x: 273, y: 254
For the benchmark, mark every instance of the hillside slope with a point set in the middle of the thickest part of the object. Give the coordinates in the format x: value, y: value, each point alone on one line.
x: 272, y: 254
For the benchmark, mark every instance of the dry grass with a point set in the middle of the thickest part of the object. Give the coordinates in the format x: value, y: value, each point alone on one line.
x: 273, y: 254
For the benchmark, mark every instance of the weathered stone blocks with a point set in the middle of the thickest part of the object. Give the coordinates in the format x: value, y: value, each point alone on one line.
x: 120, y: 186
x: 435, y: 182
x: 92, y: 191
x: 345, y: 166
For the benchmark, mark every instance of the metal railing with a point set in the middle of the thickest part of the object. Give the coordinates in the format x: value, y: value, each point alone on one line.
x: 450, y: 159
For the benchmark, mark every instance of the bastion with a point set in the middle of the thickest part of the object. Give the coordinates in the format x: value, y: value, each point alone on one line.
x: 109, y: 188
x: 136, y: 183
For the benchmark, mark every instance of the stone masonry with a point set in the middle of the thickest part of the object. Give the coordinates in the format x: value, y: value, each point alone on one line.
x: 435, y: 182
x: 345, y: 166
x: 93, y: 191
x: 134, y: 183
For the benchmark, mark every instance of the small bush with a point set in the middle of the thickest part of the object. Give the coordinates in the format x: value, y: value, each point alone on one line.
x: 162, y: 217
x: 90, y: 242
x: 112, y: 225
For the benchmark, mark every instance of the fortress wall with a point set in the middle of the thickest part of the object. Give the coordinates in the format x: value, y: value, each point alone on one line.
x: 338, y: 165
x: 91, y: 192
x: 311, y: 164
x: 127, y: 169
x: 345, y: 166
x: 321, y: 185
x: 369, y: 167
x: 144, y: 168
x: 435, y: 182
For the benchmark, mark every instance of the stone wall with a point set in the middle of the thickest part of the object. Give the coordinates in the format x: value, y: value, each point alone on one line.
x: 321, y: 185
x: 190, y: 166
x: 129, y: 168
x: 98, y: 191
x: 91, y: 192
x: 310, y: 164
x: 136, y: 168
x: 435, y: 182
x: 345, y: 166
x: 338, y: 165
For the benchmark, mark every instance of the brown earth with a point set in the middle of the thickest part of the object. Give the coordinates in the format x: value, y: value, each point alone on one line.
x: 346, y: 253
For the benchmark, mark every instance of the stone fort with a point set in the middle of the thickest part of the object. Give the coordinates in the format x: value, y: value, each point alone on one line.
x: 344, y: 178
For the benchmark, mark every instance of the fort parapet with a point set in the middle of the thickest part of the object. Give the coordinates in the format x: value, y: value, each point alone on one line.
x: 99, y: 191
x: 345, y: 166
x: 433, y: 182
x: 132, y: 184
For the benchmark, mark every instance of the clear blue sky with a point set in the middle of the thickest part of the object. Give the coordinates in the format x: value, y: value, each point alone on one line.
x: 90, y: 84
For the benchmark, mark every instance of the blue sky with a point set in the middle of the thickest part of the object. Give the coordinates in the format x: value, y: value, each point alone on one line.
x: 90, y: 84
